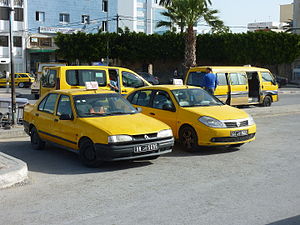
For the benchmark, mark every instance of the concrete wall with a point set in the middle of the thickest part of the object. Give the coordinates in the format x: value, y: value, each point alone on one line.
x: 286, y: 12
x: 297, y: 16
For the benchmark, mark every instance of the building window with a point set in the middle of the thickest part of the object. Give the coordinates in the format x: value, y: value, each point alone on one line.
x: 19, y: 3
x: 4, y: 41
x: 104, y: 5
x: 45, y: 42
x: 34, y: 41
x: 64, y: 17
x: 18, y: 41
x: 4, y: 2
x: 19, y: 14
x: 4, y: 13
x: 104, y: 26
x: 40, y: 16
x: 85, y: 19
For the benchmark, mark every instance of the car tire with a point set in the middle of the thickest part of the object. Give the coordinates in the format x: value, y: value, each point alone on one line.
x: 36, y: 96
x: 21, y: 85
x: 188, y: 138
x: 36, y: 142
x: 87, y: 153
x: 236, y: 145
x: 267, y: 101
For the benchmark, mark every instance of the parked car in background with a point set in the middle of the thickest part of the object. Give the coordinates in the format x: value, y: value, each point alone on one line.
x: 21, y: 80
x: 149, y: 77
x: 99, y: 125
x: 196, y: 117
x: 281, y: 81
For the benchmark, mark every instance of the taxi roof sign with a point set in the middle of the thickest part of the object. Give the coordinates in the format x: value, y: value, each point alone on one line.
x: 91, y: 85
x: 177, y: 81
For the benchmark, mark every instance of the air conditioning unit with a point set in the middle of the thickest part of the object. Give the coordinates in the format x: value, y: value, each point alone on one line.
x: 4, y: 60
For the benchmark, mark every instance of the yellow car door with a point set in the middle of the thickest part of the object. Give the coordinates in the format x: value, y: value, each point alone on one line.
x: 141, y: 99
x: 44, y: 117
x: 222, y: 90
x: 238, y: 88
x: 65, y: 129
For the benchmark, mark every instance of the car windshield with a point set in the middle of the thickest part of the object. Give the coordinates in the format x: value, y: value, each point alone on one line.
x: 193, y: 97
x: 98, y: 105
x: 196, y: 79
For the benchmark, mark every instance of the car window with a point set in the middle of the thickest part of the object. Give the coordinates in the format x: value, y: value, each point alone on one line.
x: 64, y: 106
x: 49, y: 104
x: 196, y: 79
x: 142, y: 98
x: 238, y: 79
x: 79, y: 77
x: 267, y: 77
x: 49, y: 79
x: 222, y: 80
x: 23, y: 75
x: 160, y: 99
x: 131, y: 80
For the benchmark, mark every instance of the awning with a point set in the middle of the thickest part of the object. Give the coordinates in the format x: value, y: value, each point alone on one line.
x: 41, y: 50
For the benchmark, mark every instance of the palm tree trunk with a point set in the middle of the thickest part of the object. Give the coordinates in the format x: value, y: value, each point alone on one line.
x: 190, y: 48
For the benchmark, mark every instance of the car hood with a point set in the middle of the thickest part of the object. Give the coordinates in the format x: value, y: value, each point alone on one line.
x: 132, y: 124
x: 223, y: 112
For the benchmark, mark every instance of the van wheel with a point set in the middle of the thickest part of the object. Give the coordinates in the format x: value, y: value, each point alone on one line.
x: 36, y: 142
x: 21, y: 85
x: 87, y: 153
x: 267, y: 101
x: 188, y: 138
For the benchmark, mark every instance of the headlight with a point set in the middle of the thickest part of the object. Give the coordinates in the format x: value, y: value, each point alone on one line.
x: 119, y: 138
x: 250, y: 120
x: 211, y: 122
x: 165, y: 133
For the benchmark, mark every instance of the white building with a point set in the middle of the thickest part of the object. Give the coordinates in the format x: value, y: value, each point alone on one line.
x: 296, y: 16
x: 19, y: 29
x: 267, y: 26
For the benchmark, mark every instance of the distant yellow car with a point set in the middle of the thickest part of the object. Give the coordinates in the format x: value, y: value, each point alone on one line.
x: 196, y: 117
x: 21, y: 80
x: 100, y: 125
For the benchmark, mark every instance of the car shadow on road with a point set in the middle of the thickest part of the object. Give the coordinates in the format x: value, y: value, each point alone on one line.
x: 53, y: 160
x: 289, y: 221
x: 179, y: 151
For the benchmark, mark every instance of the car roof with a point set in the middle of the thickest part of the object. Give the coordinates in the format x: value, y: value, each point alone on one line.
x: 228, y: 68
x: 167, y: 87
x: 82, y: 91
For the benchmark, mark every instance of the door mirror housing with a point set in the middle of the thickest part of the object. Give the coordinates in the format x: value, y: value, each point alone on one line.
x: 169, y: 107
x: 65, y: 117
x: 139, y: 109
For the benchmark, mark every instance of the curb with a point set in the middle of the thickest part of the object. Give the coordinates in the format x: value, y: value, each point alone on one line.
x: 12, y: 171
x: 12, y: 133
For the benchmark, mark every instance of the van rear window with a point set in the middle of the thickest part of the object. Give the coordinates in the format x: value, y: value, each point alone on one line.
x: 196, y: 79
x: 79, y: 77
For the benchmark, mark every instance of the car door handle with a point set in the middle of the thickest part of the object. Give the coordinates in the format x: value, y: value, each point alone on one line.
x: 124, y: 91
x: 36, y: 114
x: 152, y: 114
x: 55, y: 120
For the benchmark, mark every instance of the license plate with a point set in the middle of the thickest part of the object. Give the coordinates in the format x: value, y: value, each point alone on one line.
x: 239, y: 133
x: 145, y: 148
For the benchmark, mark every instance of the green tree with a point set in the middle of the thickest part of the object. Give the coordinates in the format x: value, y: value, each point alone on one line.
x: 187, y: 13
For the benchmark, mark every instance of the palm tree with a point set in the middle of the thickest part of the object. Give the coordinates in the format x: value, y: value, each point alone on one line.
x: 187, y: 13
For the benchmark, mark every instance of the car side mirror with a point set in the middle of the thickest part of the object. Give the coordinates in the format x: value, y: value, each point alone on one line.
x: 274, y: 82
x: 168, y: 107
x: 139, y: 109
x: 65, y: 117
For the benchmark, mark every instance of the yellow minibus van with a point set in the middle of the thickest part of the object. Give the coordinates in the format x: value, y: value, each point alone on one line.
x: 239, y: 85
x: 69, y: 77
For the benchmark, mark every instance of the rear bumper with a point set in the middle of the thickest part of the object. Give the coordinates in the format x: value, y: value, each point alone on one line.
x: 110, y: 152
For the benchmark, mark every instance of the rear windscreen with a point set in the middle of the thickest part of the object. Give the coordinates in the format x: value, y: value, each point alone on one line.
x: 79, y: 77
x: 196, y: 79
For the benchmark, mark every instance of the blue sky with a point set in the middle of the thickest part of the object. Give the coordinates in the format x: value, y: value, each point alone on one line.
x: 242, y: 12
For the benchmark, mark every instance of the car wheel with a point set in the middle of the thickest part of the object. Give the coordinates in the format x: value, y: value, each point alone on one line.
x: 36, y: 142
x: 188, y: 138
x: 87, y: 153
x: 36, y: 96
x: 21, y: 85
x: 236, y: 145
x: 267, y: 101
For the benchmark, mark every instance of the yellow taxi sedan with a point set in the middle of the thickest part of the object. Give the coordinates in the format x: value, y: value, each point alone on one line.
x: 100, y: 125
x: 196, y: 117
x: 21, y: 80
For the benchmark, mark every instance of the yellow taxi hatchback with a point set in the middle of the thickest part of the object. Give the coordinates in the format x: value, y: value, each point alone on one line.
x: 21, y: 80
x: 99, y: 125
x: 196, y: 117
x: 239, y: 85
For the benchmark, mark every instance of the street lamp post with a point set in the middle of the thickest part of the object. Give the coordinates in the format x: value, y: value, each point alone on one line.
x: 12, y: 72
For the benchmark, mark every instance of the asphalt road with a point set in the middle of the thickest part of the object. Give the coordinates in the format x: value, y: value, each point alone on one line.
x: 257, y: 184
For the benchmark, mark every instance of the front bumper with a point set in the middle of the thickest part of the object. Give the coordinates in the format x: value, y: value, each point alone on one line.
x: 117, y: 152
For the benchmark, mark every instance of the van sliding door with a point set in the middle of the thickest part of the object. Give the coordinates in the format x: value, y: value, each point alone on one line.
x: 238, y: 86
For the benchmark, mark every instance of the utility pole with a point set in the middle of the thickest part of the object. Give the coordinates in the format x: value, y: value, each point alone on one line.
x: 107, y: 43
x: 117, y: 18
x: 12, y: 72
